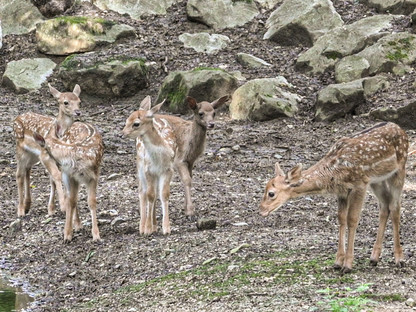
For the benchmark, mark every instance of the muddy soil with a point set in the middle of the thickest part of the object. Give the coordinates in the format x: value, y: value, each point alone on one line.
x: 228, y: 183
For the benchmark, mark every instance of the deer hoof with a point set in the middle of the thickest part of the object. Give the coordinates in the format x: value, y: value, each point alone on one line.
x: 346, y: 270
x: 373, y: 262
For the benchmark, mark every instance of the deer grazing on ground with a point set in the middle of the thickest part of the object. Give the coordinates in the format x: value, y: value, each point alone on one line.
x: 376, y: 157
x: 191, y: 138
x: 78, y: 154
x: 28, y: 152
x: 156, y: 151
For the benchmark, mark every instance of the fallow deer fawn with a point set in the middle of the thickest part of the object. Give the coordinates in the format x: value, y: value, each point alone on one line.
x: 28, y: 152
x: 376, y: 157
x: 156, y: 150
x: 78, y: 153
x: 191, y: 138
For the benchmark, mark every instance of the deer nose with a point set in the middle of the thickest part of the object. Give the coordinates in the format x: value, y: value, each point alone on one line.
x: 77, y: 112
x: 211, y: 125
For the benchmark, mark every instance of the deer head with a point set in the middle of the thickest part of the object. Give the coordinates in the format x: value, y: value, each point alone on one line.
x: 205, y: 111
x: 137, y: 123
x: 68, y: 101
x: 280, y: 189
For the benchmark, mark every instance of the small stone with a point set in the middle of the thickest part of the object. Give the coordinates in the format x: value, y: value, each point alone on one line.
x: 410, y: 302
x: 16, y: 226
x: 206, y: 224
x: 117, y: 221
x: 114, y: 176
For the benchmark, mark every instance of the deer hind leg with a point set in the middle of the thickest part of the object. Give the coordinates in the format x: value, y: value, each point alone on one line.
x: 355, y: 204
x: 71, y: 205
x: 185, y: 174
x: 164, y: 192
x: 24, y: 165
x: 342, y: 220
x: 92, y: 203
x: 381, y: 190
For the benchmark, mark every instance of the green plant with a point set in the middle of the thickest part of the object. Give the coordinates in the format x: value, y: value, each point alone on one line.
x: 347, y: 300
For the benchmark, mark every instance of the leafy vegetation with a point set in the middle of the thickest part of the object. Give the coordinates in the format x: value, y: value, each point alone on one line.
x: 400, y: 49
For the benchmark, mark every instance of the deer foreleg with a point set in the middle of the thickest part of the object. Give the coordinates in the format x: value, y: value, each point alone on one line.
x: 355, y: 204
x: 164, y: 190
x: 71, y: 205
x: 185, y: 175
x: 92, y: 203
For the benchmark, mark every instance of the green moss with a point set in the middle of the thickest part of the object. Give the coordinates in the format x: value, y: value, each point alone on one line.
x: 399, y: 49
x: 207, y: 68
x: 72, y: 62
x: 81, y: 20
x: 333, y: 55
x: 69, y: 62
x: 176, y: 97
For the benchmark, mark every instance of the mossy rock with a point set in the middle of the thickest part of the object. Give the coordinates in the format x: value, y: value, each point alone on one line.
x: 204, y: 84
x: 71, y: 34
x: 105, y: 76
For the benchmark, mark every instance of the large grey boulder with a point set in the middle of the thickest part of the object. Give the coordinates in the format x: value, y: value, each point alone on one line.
x: 264, y: 99
x: 220, y: 14
x: 18, y: 16
x: 351, y: 68
x: 392, y: 6
x: 135, y: 8
x: 105, y: 76
x: 404, y: 116
x: 1, y: 37
x: 337, y: 100
x: 66, y: 35
x: 205, y: 42
x: 393, y: 53
x: 205, y: 84
x: 343, y: 41
x: 27, y: 74
x: 301, y: 22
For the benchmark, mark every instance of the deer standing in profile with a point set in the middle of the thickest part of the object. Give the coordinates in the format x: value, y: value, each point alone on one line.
x: 191, y: 140
x: 375, y: 157
x: 156, y: 151
x: 28, y: 152
x: 78, y: 154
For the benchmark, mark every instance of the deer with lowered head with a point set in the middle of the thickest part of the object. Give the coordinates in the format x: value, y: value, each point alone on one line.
x: 28, y: 152
x: 375, y: 157
x: 190, y: 138
x: 156, y: 151
x: 78, y: 154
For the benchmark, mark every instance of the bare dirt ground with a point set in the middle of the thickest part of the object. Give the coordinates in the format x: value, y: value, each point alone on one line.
x: 248, y: 263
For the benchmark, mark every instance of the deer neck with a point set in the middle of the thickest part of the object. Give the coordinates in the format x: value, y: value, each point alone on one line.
x: 196, y: 140
x: 313, y: 181
x: 63, y: 123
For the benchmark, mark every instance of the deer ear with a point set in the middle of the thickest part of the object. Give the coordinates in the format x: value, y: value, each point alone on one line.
x: 77, y: 90
x: 56, y: 94
x: 295, y: 173
x: 191, y: 102
x: 155, y: 108
x: 217, y: 103
x: 277, y: 170
x: 146, y: 103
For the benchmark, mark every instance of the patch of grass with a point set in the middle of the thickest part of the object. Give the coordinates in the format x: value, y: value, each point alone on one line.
x: 386, y: 297
x: 347, y: 300
x: 82, y: 20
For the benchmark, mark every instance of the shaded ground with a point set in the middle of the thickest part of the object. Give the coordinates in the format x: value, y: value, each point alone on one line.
x: 283, y: 260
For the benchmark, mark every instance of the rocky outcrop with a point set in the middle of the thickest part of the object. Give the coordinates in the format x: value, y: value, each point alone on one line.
x: 301, y: 22
x: 343, y: 41
x: 1, y: 37
x: 27, y: 74
x: 135, y: 8
x: 18, y: 16
x: 203, y: 84
x: 393, y: 53
x: 67, y: 35
x: 351, y: 68
x: 204, y: 42
x: 248, y: 60
x: 220, y: 14
x: 51, y: 8
x: 264, y: 99
x: 105, y: 76
x: 392, y: 6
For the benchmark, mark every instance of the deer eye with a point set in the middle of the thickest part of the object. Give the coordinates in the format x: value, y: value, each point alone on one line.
x: 136, y: 124
x: 271, y: 194
x: 201, y: 115
x: 66, y: 102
